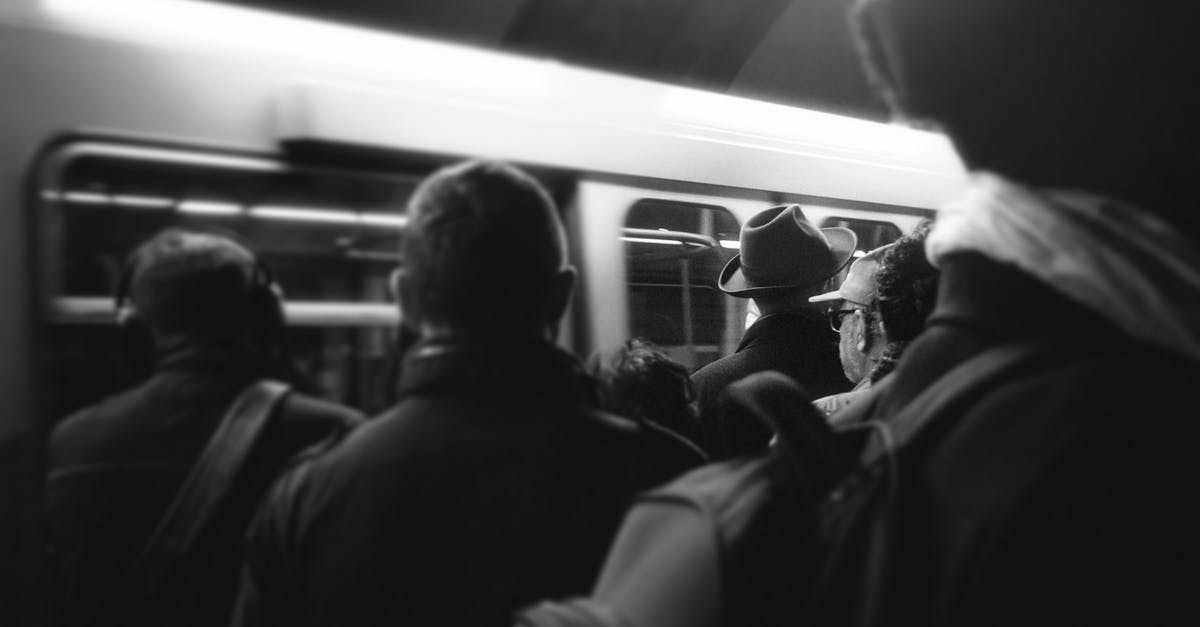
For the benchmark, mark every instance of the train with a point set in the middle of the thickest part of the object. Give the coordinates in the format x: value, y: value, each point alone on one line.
x: 304, y: 137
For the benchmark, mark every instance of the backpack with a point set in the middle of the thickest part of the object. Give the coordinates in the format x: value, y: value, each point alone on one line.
x: 807, y: 534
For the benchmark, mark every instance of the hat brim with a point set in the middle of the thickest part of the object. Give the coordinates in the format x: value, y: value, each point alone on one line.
x: 827, y: 296
x: 842, y: 243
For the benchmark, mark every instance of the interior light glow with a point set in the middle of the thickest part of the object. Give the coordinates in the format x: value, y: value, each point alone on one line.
x: 650, y: 240
x: 332, y: 216
x: 381, y: 219
x: 299, y: 214
x: 142, y: 202
x: 859, y: 253
x: 754, y: 121
x: 86, y: 198
x: 731, y: 243
x: 209, y: 207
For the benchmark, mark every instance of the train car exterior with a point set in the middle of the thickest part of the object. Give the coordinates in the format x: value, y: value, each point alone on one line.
x: 124, y: 116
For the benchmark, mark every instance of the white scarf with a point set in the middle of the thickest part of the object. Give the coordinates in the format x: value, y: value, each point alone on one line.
x: 1117, y: 260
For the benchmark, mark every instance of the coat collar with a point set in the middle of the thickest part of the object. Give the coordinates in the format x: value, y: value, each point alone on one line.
x: 211, y: 357
x: 510, y: 368
x: 789, y: 327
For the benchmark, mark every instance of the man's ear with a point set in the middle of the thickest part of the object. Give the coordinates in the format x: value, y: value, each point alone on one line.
x: 562, y: 286
x: 863, y: 340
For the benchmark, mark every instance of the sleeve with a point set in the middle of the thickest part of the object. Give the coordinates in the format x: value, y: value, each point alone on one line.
x: 663, y: 571
x: 664, y: 568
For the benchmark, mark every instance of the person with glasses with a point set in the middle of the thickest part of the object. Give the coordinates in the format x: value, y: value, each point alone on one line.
x: 855, y: 317
x: 883, y: 305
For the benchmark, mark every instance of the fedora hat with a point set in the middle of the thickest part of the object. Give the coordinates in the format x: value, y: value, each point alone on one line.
x: 781, y: 250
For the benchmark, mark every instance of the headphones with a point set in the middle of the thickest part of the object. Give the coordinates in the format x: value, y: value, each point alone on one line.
x: 263, y: 302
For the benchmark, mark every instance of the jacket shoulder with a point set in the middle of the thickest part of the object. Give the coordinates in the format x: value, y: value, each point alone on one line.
x: 301, y: 407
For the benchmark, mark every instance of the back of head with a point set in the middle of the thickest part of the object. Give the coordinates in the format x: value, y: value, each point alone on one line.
x: 642, y: 382
x: 1063, y: 93
x: 184, y: 283
x: 906, y: 286
x: 483, y: 250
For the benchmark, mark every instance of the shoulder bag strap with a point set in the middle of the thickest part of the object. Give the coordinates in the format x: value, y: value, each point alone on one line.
x: 207, y: 484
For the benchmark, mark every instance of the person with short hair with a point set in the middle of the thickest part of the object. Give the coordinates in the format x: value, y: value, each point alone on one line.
x: 213, y: 320
x: 494, y: 481
x: 783, y: 260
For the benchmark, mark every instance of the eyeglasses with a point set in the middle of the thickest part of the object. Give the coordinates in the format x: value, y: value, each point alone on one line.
x: 836, y: 316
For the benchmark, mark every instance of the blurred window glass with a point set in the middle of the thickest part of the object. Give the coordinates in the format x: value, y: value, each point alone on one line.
x: 871, y: 235
x: 674, y: 252
x: 330, y: 237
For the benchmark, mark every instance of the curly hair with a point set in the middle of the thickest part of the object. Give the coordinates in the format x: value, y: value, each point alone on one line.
x: 642, y: 382
x: 906, y: 286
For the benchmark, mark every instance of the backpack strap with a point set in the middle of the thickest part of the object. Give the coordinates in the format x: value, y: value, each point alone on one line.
x: 209, y: 482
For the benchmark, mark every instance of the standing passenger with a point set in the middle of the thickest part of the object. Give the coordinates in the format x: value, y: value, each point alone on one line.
x: 214, y: 320
x: 861, y: 337
x: 783, y: 261
x: 890, y: 293
x: 493, y: 482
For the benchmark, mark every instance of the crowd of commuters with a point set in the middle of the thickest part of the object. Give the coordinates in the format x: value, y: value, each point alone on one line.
x: 1011, y: 452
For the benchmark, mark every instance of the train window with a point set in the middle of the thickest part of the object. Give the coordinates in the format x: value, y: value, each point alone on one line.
x: 674, y: 252
x: 871, y: 235
x: 331, y: 238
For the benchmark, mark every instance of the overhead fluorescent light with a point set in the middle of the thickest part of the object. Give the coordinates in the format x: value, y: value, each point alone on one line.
x: 650, y: 240
x: 86, y: 198
x: 209, y: 207
x: 731, y: 243
x: 142, y: 202
x: 300, y: 214
x: 332, y: 216
x: 382, y: 219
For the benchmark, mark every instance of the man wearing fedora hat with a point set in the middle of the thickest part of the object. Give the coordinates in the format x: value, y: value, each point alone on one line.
x: 783, y: 261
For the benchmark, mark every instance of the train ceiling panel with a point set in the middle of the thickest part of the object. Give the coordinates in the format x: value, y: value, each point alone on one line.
x: 795, y: 52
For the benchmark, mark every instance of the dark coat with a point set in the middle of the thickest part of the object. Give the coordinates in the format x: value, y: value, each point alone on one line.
x: 799, y: 344
x: 1105, y: 532
x: 115, y: 467
x: 492, y: 484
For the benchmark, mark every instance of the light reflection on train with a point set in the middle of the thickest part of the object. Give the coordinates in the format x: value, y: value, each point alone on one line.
x: 305, y: 138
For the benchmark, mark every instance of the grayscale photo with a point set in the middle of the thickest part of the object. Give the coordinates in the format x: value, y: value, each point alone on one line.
x: 599, y: 313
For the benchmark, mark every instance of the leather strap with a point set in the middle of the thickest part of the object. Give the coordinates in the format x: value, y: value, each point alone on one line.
x: 209, y: 482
